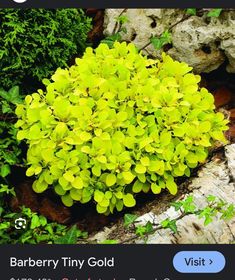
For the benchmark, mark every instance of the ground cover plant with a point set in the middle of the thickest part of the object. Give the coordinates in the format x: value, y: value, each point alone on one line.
x: 34, y: 42
x: 117, y: 124
x: 38, y: 228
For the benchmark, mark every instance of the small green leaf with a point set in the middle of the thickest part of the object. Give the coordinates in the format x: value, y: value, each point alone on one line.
x: 171, y: 185
x: 78, y: 183
x: 156, y: 42
x: 122, y: 19
x: 96, y: 170
x: 149, y: 227
x: 211, y: 198
x: 165, y: 138
x: 98, y: 196
x: 5, y: 170
x: 128, y: 177
x: 68, y: 176
x: 228, y: 213
x: 35, y: 222
x: 137, y: 187
x: 100, y: 209
x: 128, y: 200
x: 69, y: 238
x: 129, y: 219
x: 110, y: 180
x: 214, y: 13
x: 140, y: 169
x: 155, y: 188
x: 14, y: 95
x: 171, y: 224
x: 159, y: 42
x: 177, y: 205
x: 188, y: 204
x: 192, y: 12
x: 140, y: 230
x: 67, y: 200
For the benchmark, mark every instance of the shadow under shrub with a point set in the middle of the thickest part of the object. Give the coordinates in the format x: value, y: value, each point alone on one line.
x: 34, y: 42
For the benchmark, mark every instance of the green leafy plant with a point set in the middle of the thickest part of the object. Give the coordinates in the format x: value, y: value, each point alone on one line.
x: 129, y: 219
x: 34, y: 42
x: 122, y: 19
x: 210, y: 13
x: 159, y: 42
x: 71, y: 236
x: 117, y: 34
x: 5, y: 191
x: 215, y: 207
x: 110, y: 40
x: 215, y: 13
x: 9, y: 145
x: 118, y: 30
x: 38, y: 230
x: 191, y: 11
x: 117, y: 124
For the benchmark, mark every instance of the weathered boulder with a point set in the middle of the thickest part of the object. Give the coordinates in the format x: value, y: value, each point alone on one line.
x: 203, y: 42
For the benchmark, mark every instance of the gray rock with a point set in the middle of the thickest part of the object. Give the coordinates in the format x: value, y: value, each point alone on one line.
x: 230, y: 155
x: 201, y: 42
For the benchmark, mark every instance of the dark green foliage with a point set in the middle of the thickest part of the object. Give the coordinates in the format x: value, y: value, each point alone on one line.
x: 34, y: 42
x: 71, y: 236
x: 38, y: 229
x: 9, y: 145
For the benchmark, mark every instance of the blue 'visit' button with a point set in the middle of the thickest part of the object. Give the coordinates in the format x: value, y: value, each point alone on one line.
x: 199, y: 262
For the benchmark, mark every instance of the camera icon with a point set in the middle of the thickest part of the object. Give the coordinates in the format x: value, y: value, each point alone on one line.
x: 20, y: 223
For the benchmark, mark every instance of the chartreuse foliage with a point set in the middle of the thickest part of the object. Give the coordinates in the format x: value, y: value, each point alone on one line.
x: 116, y: 124
x: 34, y: 42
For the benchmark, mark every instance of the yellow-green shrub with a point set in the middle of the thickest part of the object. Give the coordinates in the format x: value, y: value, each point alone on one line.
x: 116, y: 124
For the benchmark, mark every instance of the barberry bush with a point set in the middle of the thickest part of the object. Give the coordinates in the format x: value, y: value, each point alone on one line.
x: 117, y: 124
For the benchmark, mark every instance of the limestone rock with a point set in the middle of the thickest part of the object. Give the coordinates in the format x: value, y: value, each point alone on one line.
x: 230, y: 155
x: 204, y: 43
